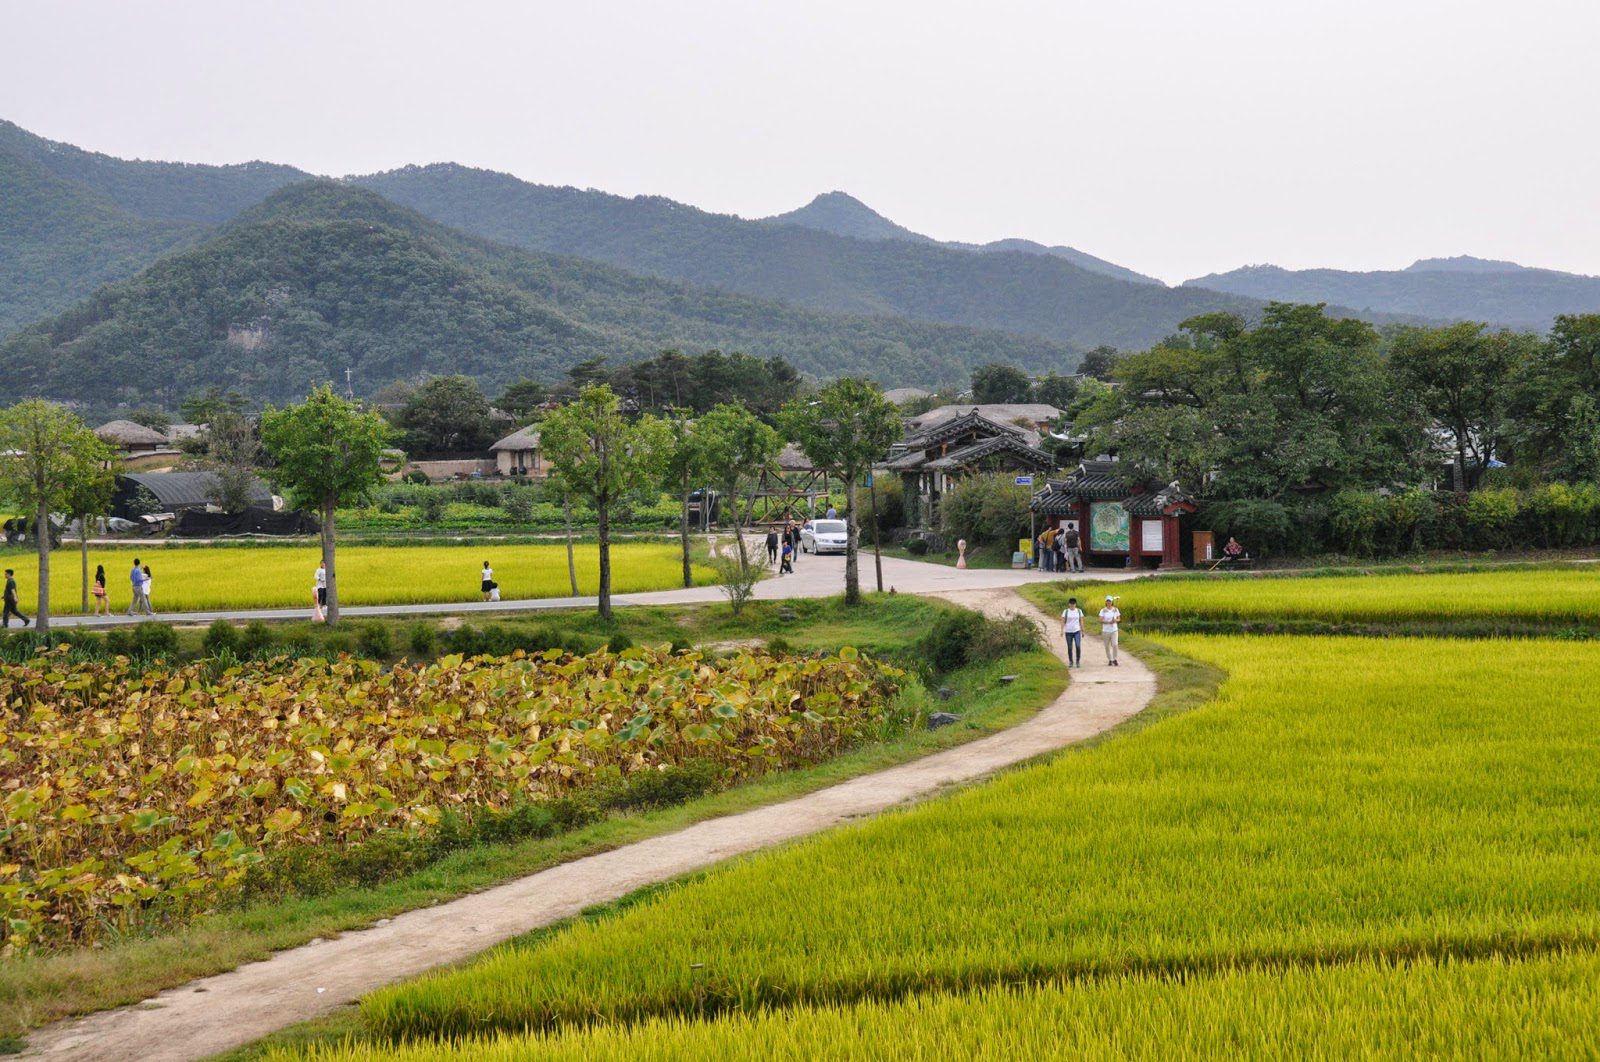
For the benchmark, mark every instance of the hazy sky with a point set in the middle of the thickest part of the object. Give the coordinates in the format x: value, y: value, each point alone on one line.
x: 1176, y: 138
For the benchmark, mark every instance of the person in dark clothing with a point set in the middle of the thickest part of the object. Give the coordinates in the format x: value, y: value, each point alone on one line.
x: 787, y: 567
x: 11, y: 601
x: 772, y: 546
x: 1072, y: 554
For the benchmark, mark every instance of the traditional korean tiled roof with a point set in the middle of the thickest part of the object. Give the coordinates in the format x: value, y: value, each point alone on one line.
x: 955, y: 427
x: 1102, y: 481
x: 1009, y: 444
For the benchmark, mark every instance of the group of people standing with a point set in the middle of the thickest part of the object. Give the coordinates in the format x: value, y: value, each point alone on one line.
x: 1059, y: 549
x: 1072, y: 618
x: 783, y: 545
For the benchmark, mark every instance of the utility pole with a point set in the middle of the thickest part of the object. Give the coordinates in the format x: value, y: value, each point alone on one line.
x: 877, y: 533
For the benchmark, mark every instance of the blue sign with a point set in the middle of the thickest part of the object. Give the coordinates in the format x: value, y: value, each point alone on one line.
x: 1024, y: 481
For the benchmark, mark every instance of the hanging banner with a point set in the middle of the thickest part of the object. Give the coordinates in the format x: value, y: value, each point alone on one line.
x: 1108, y: 527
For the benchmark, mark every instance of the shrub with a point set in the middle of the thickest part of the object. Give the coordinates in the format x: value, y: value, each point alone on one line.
x: 737, y: 580
x: 417, y: 476
x: 619, y: 641
x: 668, y: 786
x: 256, y: 640
x: 1489, y: 517
x: 424, y: 639
x: 432, y: 502
x: 518, y: 504
x: 119, y: 642
x: 986, y: 509
x: 949, y: 641
x: 337, y: 643
x: 917, y: 547
x: 376, y: 640
x: 221, y: 637
x: 998, y: 638
x: 155, y: 640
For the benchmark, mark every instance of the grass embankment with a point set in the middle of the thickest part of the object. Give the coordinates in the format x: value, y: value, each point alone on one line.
x: 1523, y: 600
x: 42, y: 987
x: 1340, y: 801
x: 203, y: 578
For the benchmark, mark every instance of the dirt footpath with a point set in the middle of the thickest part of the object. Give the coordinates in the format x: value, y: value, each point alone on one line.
x: 225, y: 1011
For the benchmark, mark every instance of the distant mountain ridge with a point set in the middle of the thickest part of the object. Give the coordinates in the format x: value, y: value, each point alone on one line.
x: 325, y: 276
x: 1460, y: 288
x: 844, y: 215
x: 1036, y: 295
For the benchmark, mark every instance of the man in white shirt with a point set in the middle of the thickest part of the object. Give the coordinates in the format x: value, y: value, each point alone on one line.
x: 1072, y: 631
x: 1110, y: 619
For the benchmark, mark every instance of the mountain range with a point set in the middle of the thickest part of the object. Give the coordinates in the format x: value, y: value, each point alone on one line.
x: 1460, y: 288
x: 126, y: 281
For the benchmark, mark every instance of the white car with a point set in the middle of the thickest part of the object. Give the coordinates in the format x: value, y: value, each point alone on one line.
x: 823, y: 536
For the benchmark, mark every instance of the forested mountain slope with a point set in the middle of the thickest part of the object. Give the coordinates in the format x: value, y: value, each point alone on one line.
x: 323, y: 277
x: 1025, y: 293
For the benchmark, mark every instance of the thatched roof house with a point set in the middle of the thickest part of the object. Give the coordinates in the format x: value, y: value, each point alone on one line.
x: 518, y: 454
x: 130, y: 437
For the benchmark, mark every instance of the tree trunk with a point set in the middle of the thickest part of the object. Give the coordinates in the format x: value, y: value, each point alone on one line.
x: 603, y: 524
x: 83, y: 551
x: 683, y: 534
x: 877, y: 531
x: 41, y: 535
x: 852, y: 578
x: 572, y: 566
x: 331, y: 610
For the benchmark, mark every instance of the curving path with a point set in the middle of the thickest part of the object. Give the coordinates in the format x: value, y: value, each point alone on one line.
x: 228, y: 1010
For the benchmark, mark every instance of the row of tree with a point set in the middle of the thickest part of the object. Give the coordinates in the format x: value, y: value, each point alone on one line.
x: 1303, y: 404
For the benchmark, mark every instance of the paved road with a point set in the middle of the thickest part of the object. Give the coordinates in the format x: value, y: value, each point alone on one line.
x: 813, y: 577
x: 228, y: 1010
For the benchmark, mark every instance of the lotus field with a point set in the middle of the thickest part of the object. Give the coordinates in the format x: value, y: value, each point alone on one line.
x: 202, y: 578
x: 1351, y: 827
x: 1543, y: 596
x: 129, y: 795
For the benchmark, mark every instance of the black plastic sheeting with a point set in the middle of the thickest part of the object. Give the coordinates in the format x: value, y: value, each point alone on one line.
x: 256, y: 520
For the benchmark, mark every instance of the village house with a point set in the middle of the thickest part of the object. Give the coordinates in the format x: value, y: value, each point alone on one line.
x: 518, y: 454
x: 940, y: 449
x: 1129, y: 524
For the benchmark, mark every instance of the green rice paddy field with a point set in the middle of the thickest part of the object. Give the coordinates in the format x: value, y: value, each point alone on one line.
x: 1359, y: 846
x: 199, y: 578
x: 1550, y: 596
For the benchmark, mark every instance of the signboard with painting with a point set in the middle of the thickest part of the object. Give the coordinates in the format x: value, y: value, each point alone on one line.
x: 1108, y: 527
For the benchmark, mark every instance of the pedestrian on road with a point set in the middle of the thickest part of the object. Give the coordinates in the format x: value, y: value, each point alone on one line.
x: 319, y: 592
x: 772, y: 546
x: 1074, y: 554
x: 149, y: 580
x: 1110, y: 620
x: 787, y: 567
x: 97, y: 592
x: 488, y: 580
x: 136, y: 577
x: 11, y: 601
x: 1072, y: 631
x: 792, y: 535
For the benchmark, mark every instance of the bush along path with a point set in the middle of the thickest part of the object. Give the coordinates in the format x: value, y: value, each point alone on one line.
x: 228, y: 1010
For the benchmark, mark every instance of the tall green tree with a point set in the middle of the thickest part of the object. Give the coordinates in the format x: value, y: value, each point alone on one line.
x: 738, y: 448
x: 1460, y: 376
x: 232, y: 452
x: 683, y: 467
x: 599, y: 455
x: 50, y: 461
x: 994, y: 383
x: 328, y: 452
x: 522, y: 399
x: 845, y: 428
x: 447, y: 414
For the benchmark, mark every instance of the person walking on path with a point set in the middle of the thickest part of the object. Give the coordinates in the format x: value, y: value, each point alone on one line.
x: 787, y: 567
x: 97, y: 592
x: 833, y: 514
x: 1110, y: 621
x: 136, y: 578
x: 1072, y: 631
x: 149, y: 581
x: 1074, y: 554
x: 11, y: 601
x: 487, y: 585
x: 772, y: 545
x: 792, y: 535
x: 319, y: 592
